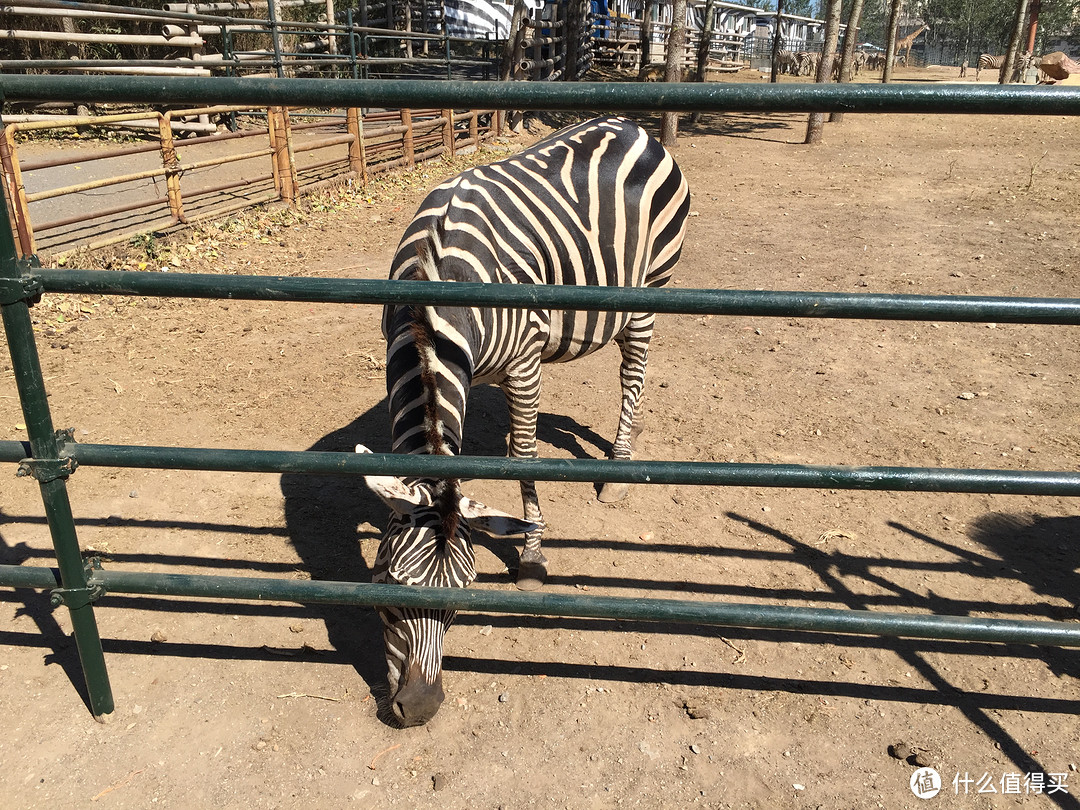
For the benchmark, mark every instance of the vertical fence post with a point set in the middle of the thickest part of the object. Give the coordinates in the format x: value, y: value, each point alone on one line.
x: 171, y: 165
x: 275, y: 36
x: 407, y: 138
x: 357, y: 149
x: 448, y: 132
x: 474, y: 128
x: 51, y: 473
x: 20, y: 209
x: 285, y: 155
x: 272, y: 129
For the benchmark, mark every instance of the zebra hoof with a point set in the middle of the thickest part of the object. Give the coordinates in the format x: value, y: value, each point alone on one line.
x: 531, y: 575
x: 613, y: 492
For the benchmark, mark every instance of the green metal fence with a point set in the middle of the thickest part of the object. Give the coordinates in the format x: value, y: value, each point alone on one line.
x: 51, y: 457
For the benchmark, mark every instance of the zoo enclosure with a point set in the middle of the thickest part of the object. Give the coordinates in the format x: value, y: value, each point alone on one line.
x: 373, y: 143
x: 51, y: 457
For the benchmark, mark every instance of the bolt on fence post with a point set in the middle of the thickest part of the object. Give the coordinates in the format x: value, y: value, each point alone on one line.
x: 44, y: 445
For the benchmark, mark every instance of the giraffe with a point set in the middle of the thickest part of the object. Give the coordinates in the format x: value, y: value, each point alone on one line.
x: 905, y: 44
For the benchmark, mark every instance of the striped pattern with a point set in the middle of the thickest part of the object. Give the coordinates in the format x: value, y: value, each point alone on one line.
x: 600, y: 203
x: 481, y: 18
x: 988, y: 62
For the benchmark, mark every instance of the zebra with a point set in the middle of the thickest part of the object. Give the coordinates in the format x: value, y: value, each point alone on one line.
x: 988, y: 62
x: 599, y: 203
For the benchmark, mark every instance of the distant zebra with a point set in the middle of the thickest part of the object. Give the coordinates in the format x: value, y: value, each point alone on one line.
x: 988, y: 62
x: 477, y: 19
x: 599, y: 203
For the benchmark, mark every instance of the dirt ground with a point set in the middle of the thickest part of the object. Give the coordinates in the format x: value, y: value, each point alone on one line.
x: 230, y: 705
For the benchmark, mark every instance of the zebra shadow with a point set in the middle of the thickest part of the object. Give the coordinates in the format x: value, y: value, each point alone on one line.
x: 1040, y: 551
x: 328, y: 518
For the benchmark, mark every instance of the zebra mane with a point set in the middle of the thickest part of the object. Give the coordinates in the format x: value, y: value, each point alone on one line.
x: 425, y: 326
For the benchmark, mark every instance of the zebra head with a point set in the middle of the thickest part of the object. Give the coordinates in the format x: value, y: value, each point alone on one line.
x: 427, y: 542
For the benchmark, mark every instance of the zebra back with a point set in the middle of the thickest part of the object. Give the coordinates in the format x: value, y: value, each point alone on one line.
x: 599, y: 203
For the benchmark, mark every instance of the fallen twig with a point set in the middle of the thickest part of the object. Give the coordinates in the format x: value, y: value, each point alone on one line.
x: 304, y: 694
x: 371, y: 764
x: 119, y: 784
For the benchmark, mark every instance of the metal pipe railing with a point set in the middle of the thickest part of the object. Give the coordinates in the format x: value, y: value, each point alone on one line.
x: 675, y: 97
x: 771, y: 617
x: 879, y: 306
x: 711, y: 473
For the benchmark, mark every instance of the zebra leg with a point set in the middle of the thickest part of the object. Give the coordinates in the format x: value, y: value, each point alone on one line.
x: 634, y: 344
x: 522, y: 390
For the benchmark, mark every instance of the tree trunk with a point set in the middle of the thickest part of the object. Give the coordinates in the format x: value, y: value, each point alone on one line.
x: 646, y: 33
x: 509, y: 54
x: 816, y: 125
x: 704, y: 46
x: 890, y: 40
x: 676, y: 52
x: 777, y: 43
x: 1005, y: 76
x: 847, y: 60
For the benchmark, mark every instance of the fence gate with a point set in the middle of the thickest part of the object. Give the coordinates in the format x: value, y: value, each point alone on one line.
x: 51, y: 457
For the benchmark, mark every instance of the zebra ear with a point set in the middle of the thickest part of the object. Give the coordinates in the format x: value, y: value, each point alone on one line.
x: 492, y: 521
x: 394, y: 492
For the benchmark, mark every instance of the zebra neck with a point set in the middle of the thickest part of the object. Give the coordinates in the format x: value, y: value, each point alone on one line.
x: 429, y: 374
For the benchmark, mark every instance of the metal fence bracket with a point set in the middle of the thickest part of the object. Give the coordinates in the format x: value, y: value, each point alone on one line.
x: 75, y: 598
x: 24, y: 288
x: 46, y: 469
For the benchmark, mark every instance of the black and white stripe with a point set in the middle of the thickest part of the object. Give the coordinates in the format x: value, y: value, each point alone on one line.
x: 600, y: 203
x: 482, y: 18
x: 988, y: 62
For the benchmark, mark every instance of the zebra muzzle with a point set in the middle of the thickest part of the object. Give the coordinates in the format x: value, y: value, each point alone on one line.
x: 417, y: 701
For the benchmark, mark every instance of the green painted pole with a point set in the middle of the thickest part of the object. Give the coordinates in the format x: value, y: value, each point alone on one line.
x: 724, y: 614
x: 661, y: 96
x: 52, y: 478
x: 768, y: 303
x: 692, y: 473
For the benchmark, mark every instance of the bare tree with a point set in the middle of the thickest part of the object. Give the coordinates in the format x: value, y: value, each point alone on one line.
x: 890, y: 40
x: 676, y: 51
x: 847, y: 58
x: 646, y: 33
x: 776, y: 43
x: 816, y: 126
x: 704, y: 46
x: 1005, y: 76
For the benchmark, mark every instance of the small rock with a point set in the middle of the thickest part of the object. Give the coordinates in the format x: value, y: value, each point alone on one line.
x: 485, y: 630
x: 695, y: 749
x: 695, y: 712
x: 900, y: 750
x: 133, y: 494
x: 375, y: 781
x: 966, y: 395
x: 505, y: 696
x: 260, y: 745
x: 919, y: 760
x: 296, y: 628
x: 438, y: 781
x: 645, y: 537
x: 797, y: 786
x: 158, y: 637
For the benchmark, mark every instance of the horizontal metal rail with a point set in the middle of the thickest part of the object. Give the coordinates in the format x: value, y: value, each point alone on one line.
x: 710, y: 473
x: 882, y: 306
x: 773, y: 617
x: 854, y: 98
